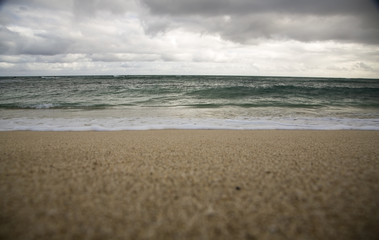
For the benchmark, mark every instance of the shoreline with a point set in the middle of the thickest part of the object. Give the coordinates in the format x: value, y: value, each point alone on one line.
x: 190, y: 184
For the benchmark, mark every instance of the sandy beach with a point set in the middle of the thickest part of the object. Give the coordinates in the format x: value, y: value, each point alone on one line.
x: 189, y: 184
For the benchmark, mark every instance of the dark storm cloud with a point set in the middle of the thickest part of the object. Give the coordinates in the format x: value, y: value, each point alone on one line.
x: 248, y: 20
x: 211, y: 7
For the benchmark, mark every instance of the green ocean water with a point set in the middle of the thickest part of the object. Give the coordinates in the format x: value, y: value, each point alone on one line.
x: 189, y: 101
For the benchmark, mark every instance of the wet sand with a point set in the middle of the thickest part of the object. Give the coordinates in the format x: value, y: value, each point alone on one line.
x: 189, y: 184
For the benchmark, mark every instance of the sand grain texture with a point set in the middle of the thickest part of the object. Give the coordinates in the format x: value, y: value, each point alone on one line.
x: 189, y: 184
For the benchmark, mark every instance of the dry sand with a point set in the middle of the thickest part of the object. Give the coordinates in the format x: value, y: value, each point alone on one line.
x: 175, y: 184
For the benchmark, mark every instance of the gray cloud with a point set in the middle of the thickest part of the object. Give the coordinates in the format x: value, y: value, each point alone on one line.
x: 90, y: 7
x: 217, y: 7
x: 189, y: 36
x: 43, y: 27
x: 247, y: 20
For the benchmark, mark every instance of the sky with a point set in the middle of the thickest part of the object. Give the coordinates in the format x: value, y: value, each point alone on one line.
x: 323, y: 38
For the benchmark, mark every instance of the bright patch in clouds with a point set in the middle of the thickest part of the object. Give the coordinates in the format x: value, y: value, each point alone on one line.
x: 330, y: 38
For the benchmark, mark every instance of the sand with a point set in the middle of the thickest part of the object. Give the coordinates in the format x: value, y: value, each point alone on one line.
x: 189, y: 184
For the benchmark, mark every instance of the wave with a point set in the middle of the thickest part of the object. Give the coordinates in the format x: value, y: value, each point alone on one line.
x: 194, y: 93
x: 284, y: 91
x: 149, y: 123
x: 55, y: 106
x: 173, y: 103
x: 256, y: 105
x: 44, y: 106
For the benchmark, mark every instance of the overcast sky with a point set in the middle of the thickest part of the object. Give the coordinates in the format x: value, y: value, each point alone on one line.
x: 336, y: 38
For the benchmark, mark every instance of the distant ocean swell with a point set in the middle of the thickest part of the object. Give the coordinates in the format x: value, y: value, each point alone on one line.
x: 211, y: 102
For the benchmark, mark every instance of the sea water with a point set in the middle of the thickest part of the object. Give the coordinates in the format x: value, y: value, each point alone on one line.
x: 104, y: 103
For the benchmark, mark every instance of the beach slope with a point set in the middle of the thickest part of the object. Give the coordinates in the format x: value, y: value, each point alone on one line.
x: 189, y: 184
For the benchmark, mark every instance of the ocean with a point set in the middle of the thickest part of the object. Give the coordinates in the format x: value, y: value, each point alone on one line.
x: 106, y: 103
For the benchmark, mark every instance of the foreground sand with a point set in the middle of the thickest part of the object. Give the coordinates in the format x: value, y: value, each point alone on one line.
x: 189, y: 185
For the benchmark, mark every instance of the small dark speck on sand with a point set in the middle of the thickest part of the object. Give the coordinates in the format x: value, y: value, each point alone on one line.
x: 238, y: 188
x: 250, y: 237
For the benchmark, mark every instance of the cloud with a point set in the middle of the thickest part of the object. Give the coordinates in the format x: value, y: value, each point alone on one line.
x: 247, y: 7
x: 243, y: 37
x: 50, y: 29
x: 245, y: 21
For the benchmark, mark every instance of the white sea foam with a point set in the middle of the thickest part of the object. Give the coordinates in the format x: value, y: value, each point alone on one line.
x: 44, y: 106
x: 113, y: 124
